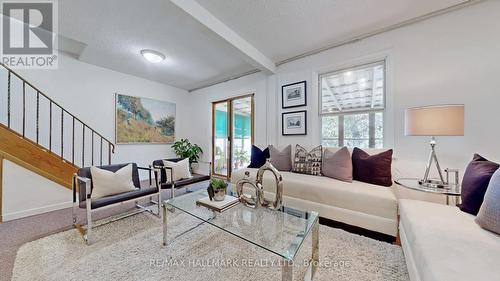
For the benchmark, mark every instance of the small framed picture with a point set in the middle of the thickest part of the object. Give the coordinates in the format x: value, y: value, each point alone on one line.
x: 294, y: 123
x: 293, y: 95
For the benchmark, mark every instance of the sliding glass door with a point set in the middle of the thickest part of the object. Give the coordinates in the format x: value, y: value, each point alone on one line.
x: 241, y: 132
x: 232, y: 134
x: 220, y: 138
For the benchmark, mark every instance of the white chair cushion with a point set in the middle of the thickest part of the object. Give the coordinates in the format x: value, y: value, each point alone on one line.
x: 106, y: 183
x: 180, y: 170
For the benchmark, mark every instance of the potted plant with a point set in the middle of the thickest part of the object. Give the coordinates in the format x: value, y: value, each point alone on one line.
x: 185, y: 149
x: 217, y: 189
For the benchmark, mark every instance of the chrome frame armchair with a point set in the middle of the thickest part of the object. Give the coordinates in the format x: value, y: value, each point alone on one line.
x: 82, y: 190
x: 165, y: 175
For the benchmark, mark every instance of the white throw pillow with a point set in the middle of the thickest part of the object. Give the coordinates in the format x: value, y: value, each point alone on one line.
x: 180, y: 169
x: 107, y: 183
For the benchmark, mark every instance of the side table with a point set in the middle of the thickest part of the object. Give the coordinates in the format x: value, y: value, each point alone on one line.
x: 452, y: 190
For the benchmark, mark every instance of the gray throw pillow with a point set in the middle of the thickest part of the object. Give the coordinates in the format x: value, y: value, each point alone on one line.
x: 338, y: 165
x: 489, y: 213
x: 281, y: 160
x: 308, y: 162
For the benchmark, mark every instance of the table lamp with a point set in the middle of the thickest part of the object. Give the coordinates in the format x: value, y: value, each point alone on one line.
x: 434, y: 120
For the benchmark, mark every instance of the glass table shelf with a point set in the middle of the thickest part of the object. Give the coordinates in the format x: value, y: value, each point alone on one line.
x: 412, y: 183
x: 281, y: 232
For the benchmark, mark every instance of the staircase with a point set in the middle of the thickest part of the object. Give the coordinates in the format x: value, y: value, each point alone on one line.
x: 40, y: 135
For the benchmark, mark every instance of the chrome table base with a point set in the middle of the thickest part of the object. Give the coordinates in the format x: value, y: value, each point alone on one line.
x: 287, y: 265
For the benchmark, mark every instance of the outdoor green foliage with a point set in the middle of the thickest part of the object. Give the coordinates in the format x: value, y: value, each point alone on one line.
x: 183, y: 148
x: 356, y: 130
x: 330, y: 130
x: 215, y: 185
x: 242, y: 156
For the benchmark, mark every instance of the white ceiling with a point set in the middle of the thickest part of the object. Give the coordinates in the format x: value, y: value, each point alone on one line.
x: 285, y: 28
x: 112, y: 32
x: 115, y: 31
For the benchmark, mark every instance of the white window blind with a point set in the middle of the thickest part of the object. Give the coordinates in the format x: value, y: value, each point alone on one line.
x: 352, y: 106
x: 360, y: 88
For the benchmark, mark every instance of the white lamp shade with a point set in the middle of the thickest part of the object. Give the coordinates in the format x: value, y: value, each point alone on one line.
x: 435, y: 120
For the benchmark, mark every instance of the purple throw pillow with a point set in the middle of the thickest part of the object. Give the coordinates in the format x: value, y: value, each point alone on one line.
x: 258, y: 157
x: 338, y: 165
x: 475, y: 182
x: 374, y: 169
x: 281, y: 160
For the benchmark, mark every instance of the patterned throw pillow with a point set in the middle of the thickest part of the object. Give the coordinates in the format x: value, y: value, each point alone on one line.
x: 308, y: 162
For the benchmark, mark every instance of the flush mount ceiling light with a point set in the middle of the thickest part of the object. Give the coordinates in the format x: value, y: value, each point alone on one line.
x: 152, y: 55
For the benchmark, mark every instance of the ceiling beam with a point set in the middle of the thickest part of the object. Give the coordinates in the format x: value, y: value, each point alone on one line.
x: 202, y: 15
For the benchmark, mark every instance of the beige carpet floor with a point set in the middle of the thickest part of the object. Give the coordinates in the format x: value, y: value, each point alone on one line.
x: 13, y: 234
x: 130, y: 249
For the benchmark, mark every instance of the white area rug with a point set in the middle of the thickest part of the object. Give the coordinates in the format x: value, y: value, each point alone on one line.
x: 130, y: 249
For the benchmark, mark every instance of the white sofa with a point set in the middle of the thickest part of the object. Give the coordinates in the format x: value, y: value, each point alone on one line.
x: 360, y: 204
x: 441, y: 242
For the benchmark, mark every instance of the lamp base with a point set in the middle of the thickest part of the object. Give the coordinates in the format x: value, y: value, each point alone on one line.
x: 426, y: 182
x: 434, y: 184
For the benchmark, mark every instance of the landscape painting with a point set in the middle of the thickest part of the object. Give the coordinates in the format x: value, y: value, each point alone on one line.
x: 143, y: 120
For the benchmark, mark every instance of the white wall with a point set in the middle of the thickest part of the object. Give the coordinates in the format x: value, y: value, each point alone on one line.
x: 447, y: 59
x: 88, y: 92
x: 26, y: 193
x: 452, y: 58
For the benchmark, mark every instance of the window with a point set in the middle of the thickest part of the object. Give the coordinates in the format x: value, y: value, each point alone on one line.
x: 352, y: 106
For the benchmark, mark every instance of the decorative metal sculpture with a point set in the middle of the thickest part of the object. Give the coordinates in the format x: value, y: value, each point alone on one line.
x: 259, y: 199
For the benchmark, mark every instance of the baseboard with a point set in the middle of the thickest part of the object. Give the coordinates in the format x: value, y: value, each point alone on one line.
x: 35, y: 211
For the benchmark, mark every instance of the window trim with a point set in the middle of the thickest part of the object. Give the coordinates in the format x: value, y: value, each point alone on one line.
x: 341, y: 114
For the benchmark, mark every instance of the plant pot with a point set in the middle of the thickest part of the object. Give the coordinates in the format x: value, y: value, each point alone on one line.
x: 220, y: 194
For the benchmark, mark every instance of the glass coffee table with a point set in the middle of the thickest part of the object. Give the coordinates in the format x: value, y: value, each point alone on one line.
x: 281, y: 232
